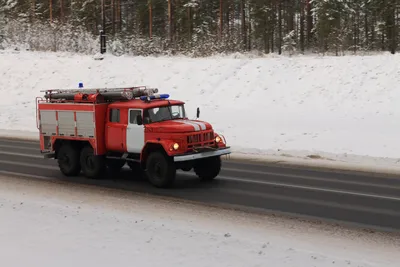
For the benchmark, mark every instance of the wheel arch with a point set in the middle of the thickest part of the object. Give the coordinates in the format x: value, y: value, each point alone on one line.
x: 77, y: 144
x: 149, y: 148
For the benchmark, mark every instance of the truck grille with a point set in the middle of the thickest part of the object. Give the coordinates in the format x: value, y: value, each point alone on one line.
x: 201, y: 139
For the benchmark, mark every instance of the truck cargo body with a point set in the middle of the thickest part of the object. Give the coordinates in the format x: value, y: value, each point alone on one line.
x: 71, y: 121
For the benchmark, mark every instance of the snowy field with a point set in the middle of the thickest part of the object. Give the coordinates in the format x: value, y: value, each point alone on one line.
x: 340, y: 108
x: 50, y: 224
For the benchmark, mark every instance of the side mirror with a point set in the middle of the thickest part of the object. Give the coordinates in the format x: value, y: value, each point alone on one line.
x: 139, y: 119
x: 198, y: 113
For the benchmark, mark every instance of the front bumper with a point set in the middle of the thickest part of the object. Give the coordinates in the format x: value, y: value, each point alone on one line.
x: 201, y: 155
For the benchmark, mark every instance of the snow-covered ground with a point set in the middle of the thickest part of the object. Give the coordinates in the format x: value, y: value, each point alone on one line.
x: 341, y: 108
x: 48, y: 224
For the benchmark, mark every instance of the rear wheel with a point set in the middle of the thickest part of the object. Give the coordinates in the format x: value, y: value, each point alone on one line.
x: 93, y: 166
x: 68, y: 160
x: 207, y: 169
x: 160, y: 170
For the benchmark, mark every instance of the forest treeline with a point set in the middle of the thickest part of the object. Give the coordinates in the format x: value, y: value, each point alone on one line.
x: 203, y: 27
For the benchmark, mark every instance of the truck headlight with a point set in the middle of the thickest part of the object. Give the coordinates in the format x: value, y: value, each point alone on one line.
x: 217, y: 139
x: 175, y: 146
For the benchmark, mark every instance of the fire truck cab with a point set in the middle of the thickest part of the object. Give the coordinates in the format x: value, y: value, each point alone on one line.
x: 95, y: 130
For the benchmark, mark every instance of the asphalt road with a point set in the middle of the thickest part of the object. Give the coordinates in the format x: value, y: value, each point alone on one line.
x: 351, y: 198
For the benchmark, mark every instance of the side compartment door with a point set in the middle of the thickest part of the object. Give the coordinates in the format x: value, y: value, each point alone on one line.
x: 114, y: 131
x: 134, y: 132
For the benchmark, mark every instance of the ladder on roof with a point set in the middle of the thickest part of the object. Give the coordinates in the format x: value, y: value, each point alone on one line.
x: 144, y: 89
x: 126, y: 92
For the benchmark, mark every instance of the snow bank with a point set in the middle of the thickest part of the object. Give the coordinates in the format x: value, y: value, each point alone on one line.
x: 342, y: 108
x: 60, y: 225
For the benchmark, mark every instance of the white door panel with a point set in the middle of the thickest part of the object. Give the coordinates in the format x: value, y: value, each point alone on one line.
x: 134, y: 133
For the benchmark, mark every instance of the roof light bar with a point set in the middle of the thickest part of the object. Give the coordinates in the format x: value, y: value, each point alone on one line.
x: 156, y: 96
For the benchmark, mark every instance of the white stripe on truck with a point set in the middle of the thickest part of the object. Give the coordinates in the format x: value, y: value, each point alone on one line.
x: 196, y: 124
x: 196, y: 127
x: 202, y: 125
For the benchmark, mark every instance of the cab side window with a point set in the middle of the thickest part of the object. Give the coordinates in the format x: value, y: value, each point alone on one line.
x: 133, y: 116
x: 114, y: 115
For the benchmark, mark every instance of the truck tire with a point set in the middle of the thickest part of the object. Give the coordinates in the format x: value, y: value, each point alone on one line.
x: 93, y: 166
x: 160, y: 170
x: 207, y: 169
x: 68, y: 160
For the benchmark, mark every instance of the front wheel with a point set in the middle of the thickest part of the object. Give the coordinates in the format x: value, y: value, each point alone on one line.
x: 160, y: 170
x: 93, y: 166
x: 207, y: 169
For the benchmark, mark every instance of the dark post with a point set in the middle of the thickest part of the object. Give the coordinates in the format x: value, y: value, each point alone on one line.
x: 103, y: 30
x: 102, y: 42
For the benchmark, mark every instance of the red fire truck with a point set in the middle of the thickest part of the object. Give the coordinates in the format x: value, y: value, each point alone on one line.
x: 100, y: 130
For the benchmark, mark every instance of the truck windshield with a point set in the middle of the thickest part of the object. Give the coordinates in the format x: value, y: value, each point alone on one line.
x: 164, y: 113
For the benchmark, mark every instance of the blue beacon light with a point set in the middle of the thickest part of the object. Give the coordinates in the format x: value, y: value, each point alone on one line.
x: 80, y: 85
x: 161, y: 96
x: 164, y: 96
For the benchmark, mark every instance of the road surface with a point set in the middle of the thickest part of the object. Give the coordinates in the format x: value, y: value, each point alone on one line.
x: 352, y: 198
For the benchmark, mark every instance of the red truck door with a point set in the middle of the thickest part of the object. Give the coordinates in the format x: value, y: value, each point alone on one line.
x: 115, y: 131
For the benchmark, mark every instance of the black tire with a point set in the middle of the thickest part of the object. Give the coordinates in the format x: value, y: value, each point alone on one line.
x: 68, y: 160
x: 160, y: 170
x: 93, y: 166
x: 115, y: 165
x: 208, y: 169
